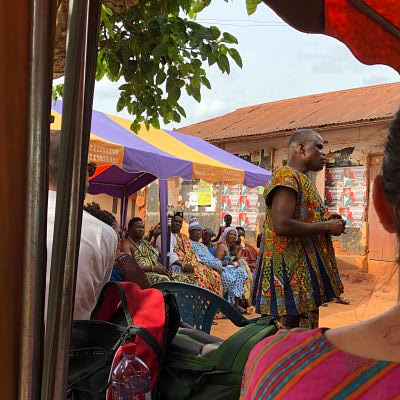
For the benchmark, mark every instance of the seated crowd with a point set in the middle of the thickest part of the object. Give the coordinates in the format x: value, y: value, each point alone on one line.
x: 219, y: 267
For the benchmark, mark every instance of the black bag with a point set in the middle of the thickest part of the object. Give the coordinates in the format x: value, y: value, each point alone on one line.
x: 94, y: 344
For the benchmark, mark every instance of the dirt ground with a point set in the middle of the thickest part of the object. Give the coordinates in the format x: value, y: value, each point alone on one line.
x: 370, y: 294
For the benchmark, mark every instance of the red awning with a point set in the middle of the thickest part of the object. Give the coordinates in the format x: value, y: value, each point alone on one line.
x: 369, y: 28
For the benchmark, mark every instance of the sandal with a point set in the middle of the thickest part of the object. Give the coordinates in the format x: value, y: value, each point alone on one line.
x: 342, y: 300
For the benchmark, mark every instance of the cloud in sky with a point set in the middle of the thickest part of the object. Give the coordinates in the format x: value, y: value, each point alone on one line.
x: 279, y: 63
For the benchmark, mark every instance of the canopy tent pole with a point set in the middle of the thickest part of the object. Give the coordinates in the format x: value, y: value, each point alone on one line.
x: 124, y: 210
x: 163, y: 195
x: 34, y: 276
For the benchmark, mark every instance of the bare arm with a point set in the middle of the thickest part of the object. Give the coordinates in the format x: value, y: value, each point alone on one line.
x: 283, y: 210
x: 218, y: 236
x: 220, y: 252
x: 126, y: 248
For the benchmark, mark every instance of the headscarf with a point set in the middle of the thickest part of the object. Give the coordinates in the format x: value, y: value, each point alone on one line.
x: 194, y: 224
x: 227, y: 230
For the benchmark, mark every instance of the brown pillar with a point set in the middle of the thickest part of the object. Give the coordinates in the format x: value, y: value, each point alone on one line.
x: 14, y: 55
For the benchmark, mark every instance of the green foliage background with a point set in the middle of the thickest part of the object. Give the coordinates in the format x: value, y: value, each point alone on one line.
x: 159, y: 50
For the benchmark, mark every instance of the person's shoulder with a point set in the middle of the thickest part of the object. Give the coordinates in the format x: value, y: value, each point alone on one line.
x: 284, y: 342
x: 90, y: 223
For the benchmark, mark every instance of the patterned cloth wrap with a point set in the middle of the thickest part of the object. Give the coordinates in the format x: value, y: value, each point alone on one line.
x: 297, y: 274
x: 307, y: 366
x: 233, y: 279
x: 206, y: 277
x: 146, y: 255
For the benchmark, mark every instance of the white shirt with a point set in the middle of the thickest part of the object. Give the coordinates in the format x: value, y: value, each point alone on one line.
x: 173, y: 257
x: 96, y: 259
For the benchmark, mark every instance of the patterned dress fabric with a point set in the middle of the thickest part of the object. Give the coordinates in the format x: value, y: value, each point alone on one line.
x: 126, y: 269
x: 307, y: 366
x: 234, y: 280
x: 205, y: 276
x: 298, y: 274
x: 145, y: 254
x: 247, y: 284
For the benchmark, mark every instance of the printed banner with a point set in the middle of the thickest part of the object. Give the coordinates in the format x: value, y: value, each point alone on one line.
x: 204, y: 197
x: 345, y: 193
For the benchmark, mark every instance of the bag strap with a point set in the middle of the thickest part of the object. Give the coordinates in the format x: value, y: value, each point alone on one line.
x: 120, y: 300
x: 224, y: 358
x: 147, y: 336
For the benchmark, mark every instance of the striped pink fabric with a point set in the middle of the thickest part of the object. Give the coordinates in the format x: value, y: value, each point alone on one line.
x: 306, y: 366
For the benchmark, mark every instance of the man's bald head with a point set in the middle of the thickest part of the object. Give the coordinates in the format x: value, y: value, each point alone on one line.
x: 306, y: 150
x: 302, y: 136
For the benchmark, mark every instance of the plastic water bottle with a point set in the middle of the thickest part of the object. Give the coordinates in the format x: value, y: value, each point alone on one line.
x: 130, y: 379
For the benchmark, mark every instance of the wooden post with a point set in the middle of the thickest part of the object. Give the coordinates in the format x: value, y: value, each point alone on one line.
x: 14, y: 74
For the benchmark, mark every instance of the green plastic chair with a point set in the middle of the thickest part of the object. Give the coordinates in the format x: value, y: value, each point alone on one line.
x: 198, y: 306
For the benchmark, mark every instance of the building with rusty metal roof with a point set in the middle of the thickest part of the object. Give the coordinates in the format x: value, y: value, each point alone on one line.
x: 354, y: 125
x: 319, y: 111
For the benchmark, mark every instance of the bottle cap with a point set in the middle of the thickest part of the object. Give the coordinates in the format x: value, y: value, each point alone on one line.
x: 128, y: 348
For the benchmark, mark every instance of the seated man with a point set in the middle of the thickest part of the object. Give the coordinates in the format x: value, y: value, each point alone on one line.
x: 206, y: 277
x: 147, y: 256
x: 97, y: 251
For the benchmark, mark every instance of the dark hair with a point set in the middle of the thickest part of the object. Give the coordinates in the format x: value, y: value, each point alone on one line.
x: 227, y: 216
x: 133, y: 220
x: 102, y: 215
x: 391, y: 164
x: 235, y: 245
x: 301, y: 135
x: 240, y: 228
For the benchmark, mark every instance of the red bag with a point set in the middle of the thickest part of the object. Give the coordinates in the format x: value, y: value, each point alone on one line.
x: 152, y: 316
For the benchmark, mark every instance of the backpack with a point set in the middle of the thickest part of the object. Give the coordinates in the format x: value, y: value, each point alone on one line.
x: 124, y: 313
x: 199, y: 366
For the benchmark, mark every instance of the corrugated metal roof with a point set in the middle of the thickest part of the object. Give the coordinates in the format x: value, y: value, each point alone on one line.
x: 315, y: 111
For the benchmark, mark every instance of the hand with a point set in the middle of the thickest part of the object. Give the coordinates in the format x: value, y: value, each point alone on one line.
x: 334, y: 216
x: 188, y: 268
x: 336, y: 226
x: 161, y: 270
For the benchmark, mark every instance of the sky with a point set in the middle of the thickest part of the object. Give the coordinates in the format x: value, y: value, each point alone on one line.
x: 278, y: 63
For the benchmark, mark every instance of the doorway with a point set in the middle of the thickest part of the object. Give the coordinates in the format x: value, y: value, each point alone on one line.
x: 382, y: 245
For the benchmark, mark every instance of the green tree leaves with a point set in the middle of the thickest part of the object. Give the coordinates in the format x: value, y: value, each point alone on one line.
x: 159, y: 53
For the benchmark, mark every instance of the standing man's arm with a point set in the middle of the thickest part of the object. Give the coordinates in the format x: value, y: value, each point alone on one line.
x: 284, y: 202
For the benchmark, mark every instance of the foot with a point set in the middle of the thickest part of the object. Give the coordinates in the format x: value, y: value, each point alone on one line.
x: 342, y: 300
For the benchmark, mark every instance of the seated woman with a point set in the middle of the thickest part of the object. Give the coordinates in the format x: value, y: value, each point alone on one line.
x: 239, y: 261
x: 206, y: 277
x: 234, y: 281
x: 249, y: 253
x: 147, y: 257
x: 235, y: 277
x: 357, y: 361
x: 206, y: 239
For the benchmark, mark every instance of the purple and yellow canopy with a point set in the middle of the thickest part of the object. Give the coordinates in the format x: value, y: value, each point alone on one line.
x: 127, y: 161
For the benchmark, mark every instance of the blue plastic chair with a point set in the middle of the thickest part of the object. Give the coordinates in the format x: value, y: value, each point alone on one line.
x: 198, y: 306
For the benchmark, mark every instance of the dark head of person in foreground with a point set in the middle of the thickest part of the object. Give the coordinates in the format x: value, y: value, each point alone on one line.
x: 372, y: 345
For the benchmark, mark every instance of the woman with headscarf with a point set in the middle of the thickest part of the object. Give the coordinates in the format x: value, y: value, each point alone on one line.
x: 234, y: 276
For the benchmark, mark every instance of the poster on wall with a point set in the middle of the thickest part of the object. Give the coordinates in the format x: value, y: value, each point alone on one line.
x: 345, y: 193
x: 204, y: 196
x: 242, y: 203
